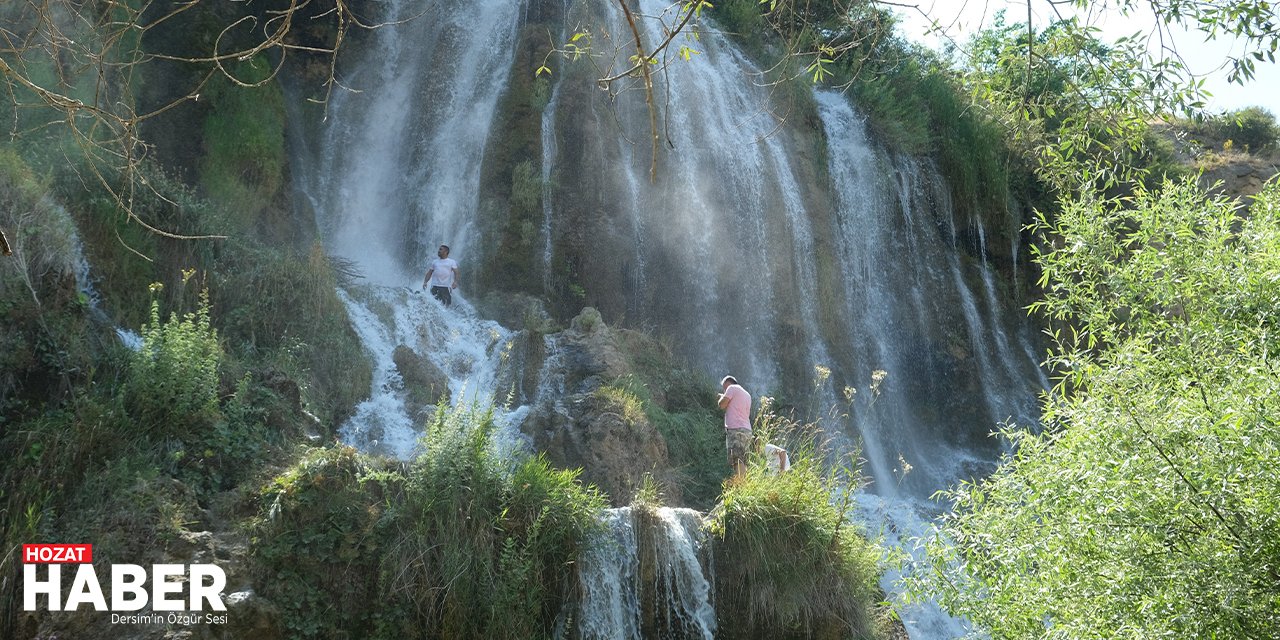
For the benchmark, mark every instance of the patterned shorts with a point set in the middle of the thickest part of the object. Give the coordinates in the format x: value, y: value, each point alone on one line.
x: 738, y: 443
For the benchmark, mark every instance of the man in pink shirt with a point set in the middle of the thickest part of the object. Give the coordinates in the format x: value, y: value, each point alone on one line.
x: 736, y: 403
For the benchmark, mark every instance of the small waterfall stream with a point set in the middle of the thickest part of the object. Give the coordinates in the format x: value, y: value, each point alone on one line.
x: 616, y: 570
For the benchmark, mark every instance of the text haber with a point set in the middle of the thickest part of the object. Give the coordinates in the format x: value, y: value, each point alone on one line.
x: 128, y: 588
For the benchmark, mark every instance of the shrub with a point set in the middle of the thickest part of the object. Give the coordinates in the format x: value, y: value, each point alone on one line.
x: 461, y: 543
x: 172, y: 387
x: 1252, y: 128
x: 620, y: 397
x: 494, y: 537
x: 788, y: 563
x: 1146, y: 508
x: 281, y: 309
x: 322, y: 538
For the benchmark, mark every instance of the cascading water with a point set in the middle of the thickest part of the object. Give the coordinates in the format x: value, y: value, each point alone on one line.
x: 398, y: 175
x: 615, y: 571
x: 907, y: 284
x: 467, y: 349
x: 762, y: 257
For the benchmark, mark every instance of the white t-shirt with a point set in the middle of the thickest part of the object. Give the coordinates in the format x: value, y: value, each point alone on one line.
x: 777, y: 458
x: 442, y: 272
x: 738, y: 414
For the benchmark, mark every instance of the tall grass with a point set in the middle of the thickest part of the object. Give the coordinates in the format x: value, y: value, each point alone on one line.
x: 788, y: 561
x: 461, y: 543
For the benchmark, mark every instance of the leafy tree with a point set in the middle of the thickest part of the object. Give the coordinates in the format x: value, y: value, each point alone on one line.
x: 80, y: 68
x: 1081, y: 106
x: 1147, y: 506
x: 1076, y: 105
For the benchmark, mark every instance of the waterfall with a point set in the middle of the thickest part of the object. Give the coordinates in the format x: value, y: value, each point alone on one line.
x: 397, y: 174
x: 400, y: 166
x: 907, y: 285
x: 952, y: 370
x: 762, y: 249
x: 658, y: 556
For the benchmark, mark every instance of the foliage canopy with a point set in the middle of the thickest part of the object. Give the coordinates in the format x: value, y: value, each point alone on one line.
x: 1146, y: 508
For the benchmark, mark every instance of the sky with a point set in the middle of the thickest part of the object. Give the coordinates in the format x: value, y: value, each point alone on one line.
x: 959, y: 18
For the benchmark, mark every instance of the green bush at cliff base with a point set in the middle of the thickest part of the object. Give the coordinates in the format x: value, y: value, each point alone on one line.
x: 1146, y: 508
x: 1252, y: 129
x: 493, y: 537
x: 461, y: 543
x: 172, y: 387
x: 320, y: 541
x: 695, y: 449
x: 787, y: 558
x: 279, y: 309
x: 130, y: 466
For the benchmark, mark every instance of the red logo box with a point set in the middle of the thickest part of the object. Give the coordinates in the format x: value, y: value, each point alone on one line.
x: 57, y: 553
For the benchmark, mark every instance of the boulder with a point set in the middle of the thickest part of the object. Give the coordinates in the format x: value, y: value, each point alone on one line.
x: 592, y: 353
x: 614, y: 445
x: 425, y: 384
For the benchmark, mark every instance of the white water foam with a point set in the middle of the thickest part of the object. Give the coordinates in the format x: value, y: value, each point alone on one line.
x: 609, y: 573
x: 469, y: 350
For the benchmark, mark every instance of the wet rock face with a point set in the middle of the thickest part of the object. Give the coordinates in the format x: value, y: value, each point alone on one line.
x: 592, y: 353
x: 610, y: 439
x: 424, y: 382
x: 613, y: 451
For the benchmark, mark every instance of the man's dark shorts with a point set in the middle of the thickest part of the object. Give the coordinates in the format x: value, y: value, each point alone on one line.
x: 443, y: 295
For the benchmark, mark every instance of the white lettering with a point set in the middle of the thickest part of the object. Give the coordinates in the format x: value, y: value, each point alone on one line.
x: 128, y: 588
x: 31, y: 587
x: 161, y: 587
x: 202, y: 592
x: 122, y: 586
x: 85, y: 589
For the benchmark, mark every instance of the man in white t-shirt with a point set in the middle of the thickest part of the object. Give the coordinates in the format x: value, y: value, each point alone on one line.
x: 443, y: 276
x: 736, y: 403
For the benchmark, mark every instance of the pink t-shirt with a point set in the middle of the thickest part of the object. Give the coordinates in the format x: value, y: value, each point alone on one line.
x: 738, y: 414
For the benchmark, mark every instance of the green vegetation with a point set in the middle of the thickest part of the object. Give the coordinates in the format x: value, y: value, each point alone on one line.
x: 1146, y: 508
x: 131, y: 464
x: 681, y: 406
x: 324, y: 529
x: 461, y: 543
x: 1252, y: 129
x: 244, y: 155
x: 135, y: 450
x: 174, y: 376
x: 788, y: 563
